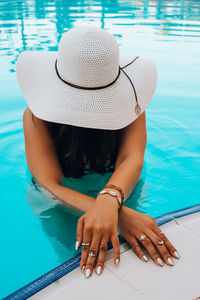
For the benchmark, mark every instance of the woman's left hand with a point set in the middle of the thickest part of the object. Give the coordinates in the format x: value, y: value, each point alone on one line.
x: 132, y: 225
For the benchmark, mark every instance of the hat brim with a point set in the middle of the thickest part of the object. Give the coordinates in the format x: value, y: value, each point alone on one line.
x: 111, y: 108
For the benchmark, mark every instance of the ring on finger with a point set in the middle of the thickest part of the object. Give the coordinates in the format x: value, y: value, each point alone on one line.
x: 103, y: 247
x: 161, y: 232
x: 135, y: 246
x: 85, y: 244
x: 160, y: 243
x: 92, y: 253
x: 143, y: 237
x: 104, y: 243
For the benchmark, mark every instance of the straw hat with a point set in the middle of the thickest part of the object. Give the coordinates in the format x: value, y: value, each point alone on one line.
x: 86, y: 83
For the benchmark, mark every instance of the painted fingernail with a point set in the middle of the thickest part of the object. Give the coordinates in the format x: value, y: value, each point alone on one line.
x: 83, y: 268
x: 76, y: 245
x: 117, y: 261
x: 176, y: 254
x: 170, y: 261
x: 99, y: 270
x: 145, y: 258
x: 87, y: 273
x: 160, y: 261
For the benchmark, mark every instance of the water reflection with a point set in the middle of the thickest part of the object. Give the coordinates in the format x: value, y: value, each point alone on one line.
x: 39, y: 25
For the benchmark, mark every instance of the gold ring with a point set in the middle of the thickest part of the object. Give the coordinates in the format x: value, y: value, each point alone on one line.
x: 161, y: 232
x: 135, y: 246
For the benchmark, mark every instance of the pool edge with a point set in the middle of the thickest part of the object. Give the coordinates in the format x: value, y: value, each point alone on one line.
x: 48, y: 278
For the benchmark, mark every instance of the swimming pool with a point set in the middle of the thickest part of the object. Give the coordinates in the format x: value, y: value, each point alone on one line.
x: 36, y: 235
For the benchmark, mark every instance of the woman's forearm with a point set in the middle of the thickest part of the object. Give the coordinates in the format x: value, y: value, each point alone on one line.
x: 126, y: 175
x: 69, y: 198
x: 74, y: 200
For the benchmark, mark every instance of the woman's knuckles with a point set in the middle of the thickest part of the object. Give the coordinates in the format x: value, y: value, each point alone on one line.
x: 108, y: 227
x: 147, y: 242
x: 97, y: 229
x: 152, y: 223
x: 89, y: 227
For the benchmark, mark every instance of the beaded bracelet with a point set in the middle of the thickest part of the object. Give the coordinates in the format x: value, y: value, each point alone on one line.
x: 114, y: 194
x: 117, y: 188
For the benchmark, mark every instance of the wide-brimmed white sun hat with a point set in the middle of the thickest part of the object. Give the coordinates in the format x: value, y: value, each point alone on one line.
x: 86, y: 82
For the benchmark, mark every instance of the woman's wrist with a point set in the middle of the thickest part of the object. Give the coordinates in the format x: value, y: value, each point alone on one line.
x: 122, y: 212
x: 106, y: 199
x: 114, y: 198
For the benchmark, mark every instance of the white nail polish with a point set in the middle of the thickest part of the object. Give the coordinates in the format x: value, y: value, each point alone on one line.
x: 76, y: 246
x: 176, y: 254
x: 117, y: 261
x: 87, y: 274
x: 99, y: 270
x: 170, y: 261
x: 160, y: 261
x: 83, y: 268
x: 145, y: 258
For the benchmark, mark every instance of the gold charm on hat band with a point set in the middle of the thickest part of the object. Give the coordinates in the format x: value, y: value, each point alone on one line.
x: 137, y: 109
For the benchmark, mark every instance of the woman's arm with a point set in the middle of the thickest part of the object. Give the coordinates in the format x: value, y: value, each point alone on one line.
x: 44, y: 166
x: 99, y: 223
x: 131, y: 156
x: 133, y: 224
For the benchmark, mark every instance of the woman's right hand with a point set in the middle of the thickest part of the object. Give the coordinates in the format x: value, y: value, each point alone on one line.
x: 98, y: 225
x: 133, y: 225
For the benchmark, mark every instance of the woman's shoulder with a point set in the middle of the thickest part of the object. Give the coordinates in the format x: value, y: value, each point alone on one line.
x: 30, y: 119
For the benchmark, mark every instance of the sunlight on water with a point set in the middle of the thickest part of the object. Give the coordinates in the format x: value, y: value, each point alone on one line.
x: 37, y: 233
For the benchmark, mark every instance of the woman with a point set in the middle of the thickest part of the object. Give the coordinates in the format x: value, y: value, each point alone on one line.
x: 87, y: 110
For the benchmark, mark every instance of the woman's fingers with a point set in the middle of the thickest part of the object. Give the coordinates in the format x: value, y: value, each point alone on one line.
x: 103, y: 247
x: 137, y: 249
x: 79, y: 232
x: 94, y: 248
x: 151, y: 250
x: 159, y: 243
x: 172, y: 250
x: 92, y: 254
x: 116, y: 246
x: 87, y: 236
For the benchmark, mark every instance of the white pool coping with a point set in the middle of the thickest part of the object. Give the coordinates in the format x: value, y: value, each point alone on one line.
x: 134, y: 279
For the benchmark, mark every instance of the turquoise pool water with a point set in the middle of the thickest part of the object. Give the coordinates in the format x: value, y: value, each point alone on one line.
x: 36, y: 233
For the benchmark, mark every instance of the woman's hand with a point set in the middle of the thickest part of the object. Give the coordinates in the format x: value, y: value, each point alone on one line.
x: 133, y: 224
x: 98, y: 225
